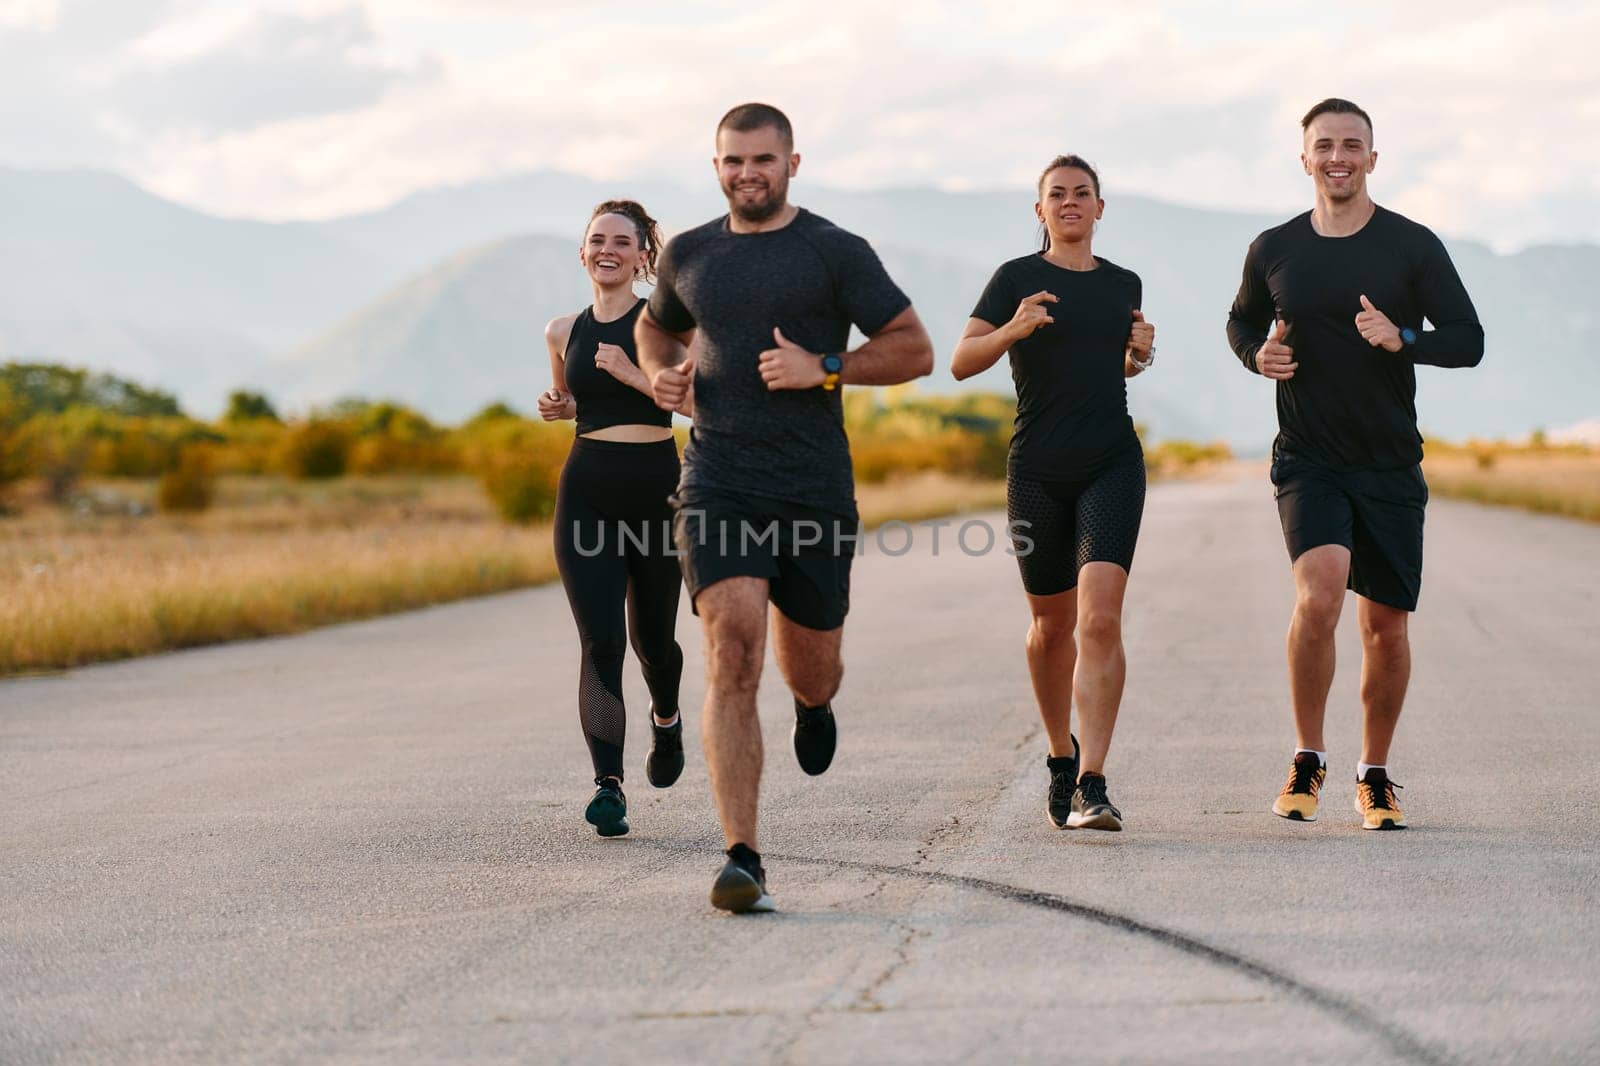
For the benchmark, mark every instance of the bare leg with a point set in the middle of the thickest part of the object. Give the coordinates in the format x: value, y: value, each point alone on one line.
x: 733, y: 616
x: 808, y: 658
x: 1320, y: 576
x: 1385, y: 673
x: 1051, y: 657
x: 1102, y: 668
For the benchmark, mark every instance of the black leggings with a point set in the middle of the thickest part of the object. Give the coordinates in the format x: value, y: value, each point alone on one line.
x: 1070, y: 524
x: 613, y: 531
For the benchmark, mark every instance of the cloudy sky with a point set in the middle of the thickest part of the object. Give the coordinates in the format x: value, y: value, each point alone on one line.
x: 1488, y: 114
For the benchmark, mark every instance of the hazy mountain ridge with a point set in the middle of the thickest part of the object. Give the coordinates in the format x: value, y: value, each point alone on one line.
x: 430, y: 302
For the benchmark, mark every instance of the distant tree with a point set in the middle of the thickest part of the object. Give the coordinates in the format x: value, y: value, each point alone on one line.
x: 13, y: 459
x: 495, y: 412
x: 246, y: 406
x: 44, y: 388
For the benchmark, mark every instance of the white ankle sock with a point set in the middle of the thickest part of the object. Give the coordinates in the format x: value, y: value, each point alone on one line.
x: 1363, y: 767
x: 1322, y: 756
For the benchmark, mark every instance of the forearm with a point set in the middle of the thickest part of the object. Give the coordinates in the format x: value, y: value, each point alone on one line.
x: 1453, y: 345
x: 895, y: 355
x: 639, y: 381
x: 1246, y: 339
x: 974, y: 355
x: 658, y: 349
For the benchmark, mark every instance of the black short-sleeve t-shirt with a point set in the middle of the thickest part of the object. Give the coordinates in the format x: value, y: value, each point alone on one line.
x: 810, y: 279
x: 1072, y: 396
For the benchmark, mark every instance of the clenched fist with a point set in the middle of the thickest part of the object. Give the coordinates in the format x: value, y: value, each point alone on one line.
x: 673, y: 386
x: 555, y: 404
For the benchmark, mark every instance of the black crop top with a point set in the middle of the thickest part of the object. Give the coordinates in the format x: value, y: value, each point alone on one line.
x: 604, y: 401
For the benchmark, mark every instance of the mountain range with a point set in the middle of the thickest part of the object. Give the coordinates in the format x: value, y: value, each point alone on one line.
x: 439, y: 300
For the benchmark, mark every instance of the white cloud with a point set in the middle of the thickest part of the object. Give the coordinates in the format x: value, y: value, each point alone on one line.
x: 284, y: 109
x: 28, y: 14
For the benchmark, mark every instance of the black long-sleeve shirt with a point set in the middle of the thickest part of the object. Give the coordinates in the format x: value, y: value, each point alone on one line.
x: 1350, y: 405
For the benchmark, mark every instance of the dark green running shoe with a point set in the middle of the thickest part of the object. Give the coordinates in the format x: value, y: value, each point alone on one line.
x: 1063, y: 783
x: 815, y: 736
x: 1090, y: 807
x: 741, y: 887
x: 665, y: 761
x: 608, y: 810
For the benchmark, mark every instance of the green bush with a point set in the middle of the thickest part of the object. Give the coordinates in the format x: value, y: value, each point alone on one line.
x: 315, y: 450
x: 188, y: 487
x: 519, y: 464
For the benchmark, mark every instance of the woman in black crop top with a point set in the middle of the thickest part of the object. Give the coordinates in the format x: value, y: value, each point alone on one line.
x: 1073, y: 325
x: 612, y: 522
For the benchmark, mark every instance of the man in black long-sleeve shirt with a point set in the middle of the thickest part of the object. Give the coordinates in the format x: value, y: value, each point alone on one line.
x: 1331, y: 308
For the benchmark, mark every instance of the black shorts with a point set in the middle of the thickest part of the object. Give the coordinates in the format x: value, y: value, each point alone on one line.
x: 1058, y: 527
x: 1377, y: 514
x: 804, y: 553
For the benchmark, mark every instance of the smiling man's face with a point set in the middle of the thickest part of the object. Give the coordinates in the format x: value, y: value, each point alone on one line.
x: 1339, y: 155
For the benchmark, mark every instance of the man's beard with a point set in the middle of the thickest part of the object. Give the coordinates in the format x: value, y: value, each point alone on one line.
x: 777, y: 197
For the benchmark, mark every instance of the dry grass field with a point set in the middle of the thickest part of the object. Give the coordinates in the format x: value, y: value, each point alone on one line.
x: 111, y: 579
x: 1563, y: 481
x: 272, y: 556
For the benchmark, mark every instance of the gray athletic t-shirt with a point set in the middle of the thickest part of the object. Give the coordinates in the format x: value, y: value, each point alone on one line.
x: 810, y: 279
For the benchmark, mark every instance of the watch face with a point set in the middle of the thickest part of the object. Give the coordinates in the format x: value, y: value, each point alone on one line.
x: 832, y: 364
x: 1408, y: 336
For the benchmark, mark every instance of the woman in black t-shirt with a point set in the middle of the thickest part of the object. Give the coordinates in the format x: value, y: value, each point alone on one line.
x: 612, y: 521
x: 1072, y: 324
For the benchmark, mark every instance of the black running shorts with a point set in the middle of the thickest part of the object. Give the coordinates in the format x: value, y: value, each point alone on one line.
x: 804, y: 553
x: 1057, y: 528
x: 1377, y: 514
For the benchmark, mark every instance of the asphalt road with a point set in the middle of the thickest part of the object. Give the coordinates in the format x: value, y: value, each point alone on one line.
x: 366, y: 844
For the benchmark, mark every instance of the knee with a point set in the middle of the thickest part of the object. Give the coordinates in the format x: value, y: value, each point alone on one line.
x: 1100, y: 628
x: 1317, y: 608
x: 658, y: 655
x: 1384, y: 633
x: 1050, y: 631
x: 733, y: 658
x: 605, y: 653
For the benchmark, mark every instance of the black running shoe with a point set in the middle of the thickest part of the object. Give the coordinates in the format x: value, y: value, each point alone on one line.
x: 741, y: 887
x: 1063, y: 782
x: 608, y: 810
x: 1090, y: 807
x: 665, y: 761
x: 815, y: 736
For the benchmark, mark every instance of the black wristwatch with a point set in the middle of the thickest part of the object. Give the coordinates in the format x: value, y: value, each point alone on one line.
x: 832, y: 366
x: 1408, y: 337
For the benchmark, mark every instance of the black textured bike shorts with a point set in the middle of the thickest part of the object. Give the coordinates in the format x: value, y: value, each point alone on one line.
x: 1058, y: 527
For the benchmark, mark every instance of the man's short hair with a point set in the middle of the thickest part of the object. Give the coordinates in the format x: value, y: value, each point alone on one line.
x: 1335, y: 106
x: 747, y: 117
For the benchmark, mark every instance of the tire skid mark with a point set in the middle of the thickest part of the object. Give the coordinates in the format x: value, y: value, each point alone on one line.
x: 1345, y: 1011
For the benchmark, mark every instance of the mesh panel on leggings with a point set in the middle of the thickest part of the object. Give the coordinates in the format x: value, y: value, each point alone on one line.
x: 1078, y: 523
x: 1047, y: 565
x: 600, y: 710
x: 1108, y: 513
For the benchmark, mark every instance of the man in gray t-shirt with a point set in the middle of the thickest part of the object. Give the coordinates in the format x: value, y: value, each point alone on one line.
x: 766, y: 504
